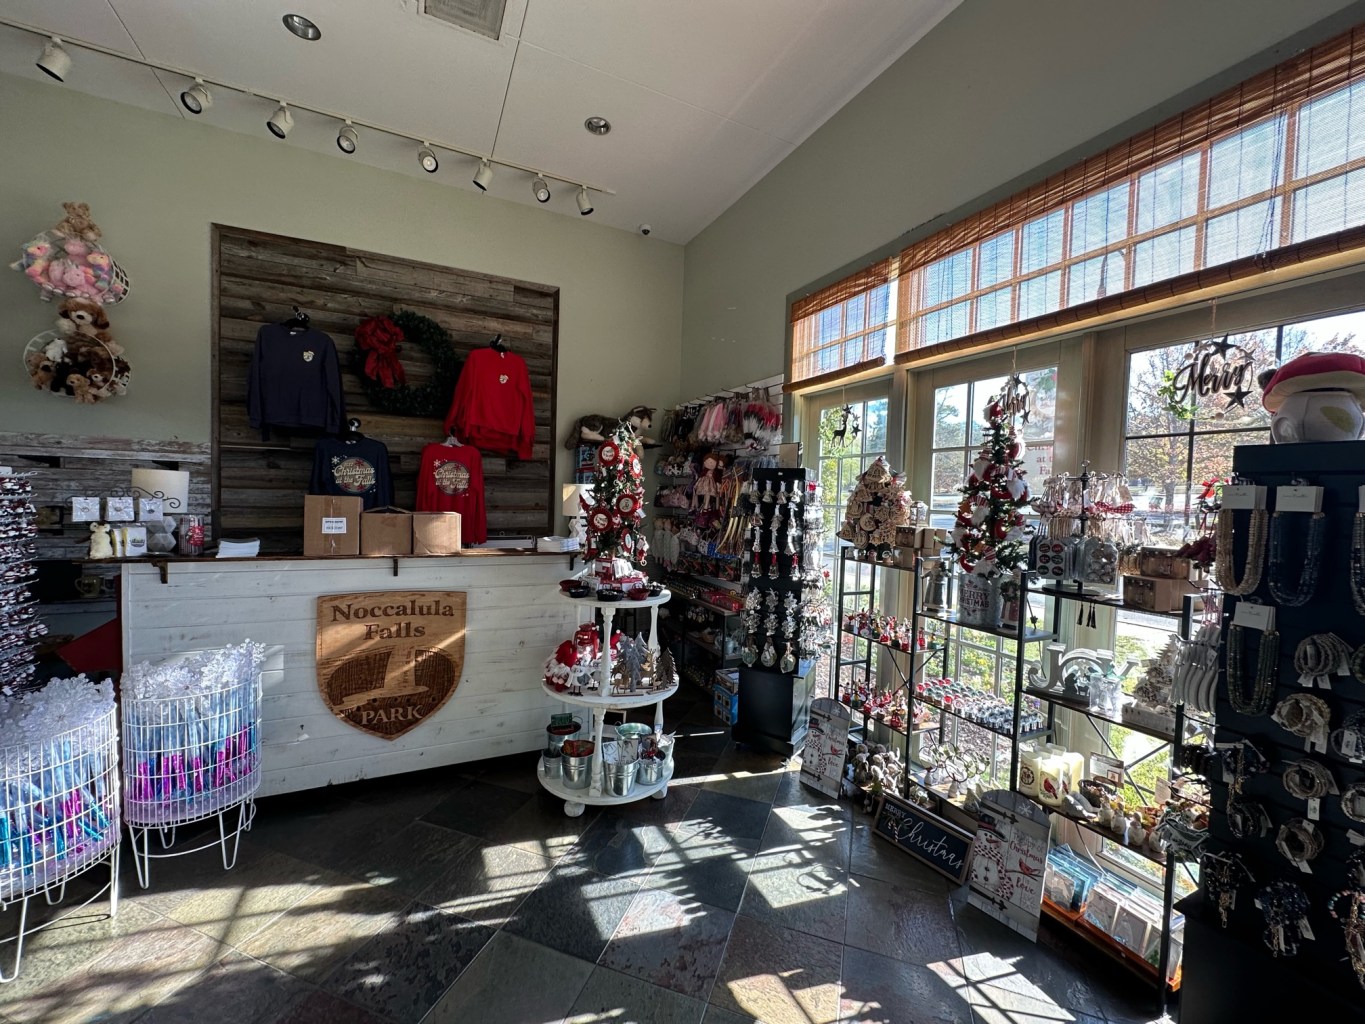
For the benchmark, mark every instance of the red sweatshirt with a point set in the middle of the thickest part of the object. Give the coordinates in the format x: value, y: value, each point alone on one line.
x: 451, y: 480
x: 492, y: 405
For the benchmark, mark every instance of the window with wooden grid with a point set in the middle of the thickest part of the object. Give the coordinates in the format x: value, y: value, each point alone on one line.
x: 845, y: 328
x: 1276, y: 161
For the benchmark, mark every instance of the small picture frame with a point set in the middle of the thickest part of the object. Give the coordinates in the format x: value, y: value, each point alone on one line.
x: 49, y: 518
x: 150, y: 509
x: 118, y: 510
x: 85, y: 510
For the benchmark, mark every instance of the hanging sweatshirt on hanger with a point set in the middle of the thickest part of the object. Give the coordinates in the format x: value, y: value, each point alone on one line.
x: 492, y: 407
x: 294, y: 381
x: 450, y: 479
x: 355, y: 468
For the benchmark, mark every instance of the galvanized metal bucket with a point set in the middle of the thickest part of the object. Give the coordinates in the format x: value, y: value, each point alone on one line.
x: 619, y: 779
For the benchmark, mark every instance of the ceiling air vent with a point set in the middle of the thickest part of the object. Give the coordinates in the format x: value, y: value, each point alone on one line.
x: 481, y: 16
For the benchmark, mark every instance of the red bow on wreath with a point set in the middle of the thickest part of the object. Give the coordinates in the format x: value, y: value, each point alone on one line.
x: 379, y: 337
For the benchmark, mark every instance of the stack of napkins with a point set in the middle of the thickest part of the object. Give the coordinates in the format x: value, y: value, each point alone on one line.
x: 248, y: 548
x: 557, y: 544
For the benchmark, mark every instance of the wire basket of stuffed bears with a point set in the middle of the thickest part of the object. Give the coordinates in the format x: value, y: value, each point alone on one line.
x: 70, y: 266
x: 76, y: 366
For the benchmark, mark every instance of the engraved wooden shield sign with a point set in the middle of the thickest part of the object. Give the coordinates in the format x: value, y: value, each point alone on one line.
x: 387, y: 661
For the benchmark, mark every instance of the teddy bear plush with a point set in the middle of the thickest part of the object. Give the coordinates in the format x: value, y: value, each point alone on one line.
x: 77, y: 223
x: 41, y: 369
x: 78, y: 386
x: 83, y: 318
x: 100, y: 546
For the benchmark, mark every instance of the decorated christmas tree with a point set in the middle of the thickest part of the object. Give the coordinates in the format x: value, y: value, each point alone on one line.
x: 878, y: 505
x: 988, y: 538
x: 614, y: 536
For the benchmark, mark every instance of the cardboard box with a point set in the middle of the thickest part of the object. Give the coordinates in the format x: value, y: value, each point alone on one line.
x: 1154, y: 594
x: 436, y: 533
x: 331, y: 525
x: 386, y: 531
x: 1163, y: 563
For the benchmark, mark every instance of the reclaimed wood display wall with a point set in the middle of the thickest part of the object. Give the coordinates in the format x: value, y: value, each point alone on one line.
x: 257, y: 278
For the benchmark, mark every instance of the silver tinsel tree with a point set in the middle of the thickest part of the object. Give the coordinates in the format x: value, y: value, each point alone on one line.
x: 20, y: 626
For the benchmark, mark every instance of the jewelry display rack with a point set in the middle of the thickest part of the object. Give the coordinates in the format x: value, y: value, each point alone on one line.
x: 603, y: 702
x: 1312, y: 964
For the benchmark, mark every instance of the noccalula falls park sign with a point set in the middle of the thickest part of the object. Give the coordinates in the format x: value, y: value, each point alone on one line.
x: 387, y: 661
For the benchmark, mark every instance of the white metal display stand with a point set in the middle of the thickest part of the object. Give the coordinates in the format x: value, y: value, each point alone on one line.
x: 602, y: 702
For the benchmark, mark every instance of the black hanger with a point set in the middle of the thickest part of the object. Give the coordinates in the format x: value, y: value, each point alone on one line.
x: 352, y: 431
x: 496, y: 344
x: 297, y: 322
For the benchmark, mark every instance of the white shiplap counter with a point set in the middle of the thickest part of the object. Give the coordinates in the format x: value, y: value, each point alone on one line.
x: 515, y: 618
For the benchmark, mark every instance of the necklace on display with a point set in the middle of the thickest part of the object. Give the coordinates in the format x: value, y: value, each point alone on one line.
x: 1285, y: 906
x: 1357, y: 574
x: 1351, y: 917
x: 1223, y: 874
x: 1267, y: 665
x: 1307, y: 584
x: 1223, y: 557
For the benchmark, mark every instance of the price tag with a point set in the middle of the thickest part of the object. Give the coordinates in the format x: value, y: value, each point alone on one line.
x: 1254, y: 616
x: 1348, y: 744
x: 333, y: 524
x: 1306, y: 931
x: 1314, y: 808
x: 1298, y: 499
x: 1244, y: 496
x: 1362, y: 498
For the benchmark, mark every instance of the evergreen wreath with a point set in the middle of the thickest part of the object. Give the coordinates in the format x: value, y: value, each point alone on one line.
x: 431, y: 399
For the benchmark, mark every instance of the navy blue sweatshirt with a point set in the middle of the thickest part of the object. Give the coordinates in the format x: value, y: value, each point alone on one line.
x: 357, y: 468
x: 294, y: 381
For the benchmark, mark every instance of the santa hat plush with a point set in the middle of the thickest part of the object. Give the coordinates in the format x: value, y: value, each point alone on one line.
x: 1316, y: 371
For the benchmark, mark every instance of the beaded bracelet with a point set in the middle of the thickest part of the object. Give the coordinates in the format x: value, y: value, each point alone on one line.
x: 1352, y: 920
x: 1320, y: 655
x: 1358, y: 663
x: 1353, y: 801
x: 1305, y: 715
x: 1349, y: 740
x: 1285, y: 906
x: 1246, y: 818
x: 1300, y: 841
x: 1355, y: 867
x: 1306, y: 779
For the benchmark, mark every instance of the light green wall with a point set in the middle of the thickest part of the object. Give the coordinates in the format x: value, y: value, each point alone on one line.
x: 156, y: 182
x: 998, y: 89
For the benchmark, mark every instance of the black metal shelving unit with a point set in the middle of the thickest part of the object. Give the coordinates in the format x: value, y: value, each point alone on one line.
x: 1185, y: 727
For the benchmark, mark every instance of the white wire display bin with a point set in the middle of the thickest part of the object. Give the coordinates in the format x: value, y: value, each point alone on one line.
x: 191, y: 742
x: 59, y: 799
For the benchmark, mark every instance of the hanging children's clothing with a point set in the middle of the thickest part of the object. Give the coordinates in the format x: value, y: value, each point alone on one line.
x: 356, y: 467
x: 294, y: 381
x: 492, y: 407
x: 450, y: 479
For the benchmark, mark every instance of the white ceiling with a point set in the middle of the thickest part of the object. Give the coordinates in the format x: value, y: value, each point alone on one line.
x: 705, y: 96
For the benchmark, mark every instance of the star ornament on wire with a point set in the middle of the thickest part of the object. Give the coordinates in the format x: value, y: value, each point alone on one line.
x: 1238, y: 397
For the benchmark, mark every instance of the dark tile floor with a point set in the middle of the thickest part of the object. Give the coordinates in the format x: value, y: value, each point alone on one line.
x: 466, y: 896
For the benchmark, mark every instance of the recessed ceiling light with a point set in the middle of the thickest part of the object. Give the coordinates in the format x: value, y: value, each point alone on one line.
x: 302, y: 27
x: 597, y: 125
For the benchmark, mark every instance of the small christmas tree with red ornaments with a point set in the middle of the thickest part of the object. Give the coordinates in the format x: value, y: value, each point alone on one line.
x: 614, y: 537
x: 989, y: 535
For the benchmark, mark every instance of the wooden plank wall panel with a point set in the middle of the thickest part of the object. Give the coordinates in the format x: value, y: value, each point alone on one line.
x: 515, y: 618
x: 259, y: 277
x: 68, y: 466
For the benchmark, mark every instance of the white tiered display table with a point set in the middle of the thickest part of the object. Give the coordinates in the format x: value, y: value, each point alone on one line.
x: 602, y: 702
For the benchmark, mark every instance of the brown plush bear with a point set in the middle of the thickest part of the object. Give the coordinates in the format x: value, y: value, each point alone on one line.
x: 40, y: 369
x: 77, y: 223
x: 78, y: 387
x: 86, y: 319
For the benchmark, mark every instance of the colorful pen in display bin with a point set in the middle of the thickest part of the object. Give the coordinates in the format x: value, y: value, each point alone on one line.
x: 191, y: 735
x: 59, y: 811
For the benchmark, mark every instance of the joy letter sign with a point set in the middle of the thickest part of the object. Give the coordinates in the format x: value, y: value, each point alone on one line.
x: 388, y: 660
